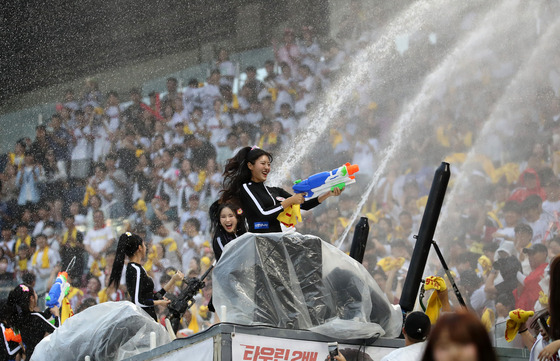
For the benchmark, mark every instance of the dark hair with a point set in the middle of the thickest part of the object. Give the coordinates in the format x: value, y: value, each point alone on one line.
x: 523, y: 228
x: 195, y: 223
x: 379, y: 271
x: 86, y: 303
x: 28, y: 277
x: 214, y: 213
x: 127, y: 246
x: 113, y: 93
x: 102, y: 167
x: 554, y: 298
x: 461, y: 327
x: 156, y: 223
x: 17, y: 305
x: 236, y: 171
x: 512, y: 206
x: 164, y: 197
x: 531, y: 202
x: 164, y: 278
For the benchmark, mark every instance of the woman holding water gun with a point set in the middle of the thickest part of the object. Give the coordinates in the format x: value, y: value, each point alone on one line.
x: 244, y: 178
x: 140, y: 286
x: 22, y: 316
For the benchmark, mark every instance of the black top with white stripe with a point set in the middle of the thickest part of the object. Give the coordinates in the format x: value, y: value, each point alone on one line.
x: 140, y: 287
x: 8, y: 349
x: 262, y: 205
x: 221, y: 238
x: 35, y: 327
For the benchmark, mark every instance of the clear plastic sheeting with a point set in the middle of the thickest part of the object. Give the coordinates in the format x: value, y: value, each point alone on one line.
x: 108, y: 331
x: 296, y: 281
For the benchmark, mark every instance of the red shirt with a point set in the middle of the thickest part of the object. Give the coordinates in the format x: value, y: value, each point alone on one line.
x: 527, y: 299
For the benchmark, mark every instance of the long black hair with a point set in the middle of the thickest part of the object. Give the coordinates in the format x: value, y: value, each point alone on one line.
x: 127, y: 246
x: 236, y: 171
x: 18, y: 306
x: 214, y: 213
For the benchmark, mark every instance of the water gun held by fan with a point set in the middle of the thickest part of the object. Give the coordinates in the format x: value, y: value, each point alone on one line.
x: 323, y: 182
x: 58, y: 291
x: 60, y: 287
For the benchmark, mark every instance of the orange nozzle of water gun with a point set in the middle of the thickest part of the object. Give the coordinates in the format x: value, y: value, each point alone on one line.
x: 63, y: 273
x: 352, y: 168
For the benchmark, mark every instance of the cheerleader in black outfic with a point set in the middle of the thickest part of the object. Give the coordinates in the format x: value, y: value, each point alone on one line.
x: 140, y: 286
x: 227, y: 223
x: 10, y: 343
x: 244, y: 178
x: 23, y: 317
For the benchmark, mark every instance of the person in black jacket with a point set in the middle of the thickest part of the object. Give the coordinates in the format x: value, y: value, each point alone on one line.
x: 22, y: 315
x: 244, y: 178
x: 140, y: 286
x: 10, y: 344
x: 227, y: 223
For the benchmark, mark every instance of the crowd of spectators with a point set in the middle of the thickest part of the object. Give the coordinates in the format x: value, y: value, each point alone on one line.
x: 151, y: 163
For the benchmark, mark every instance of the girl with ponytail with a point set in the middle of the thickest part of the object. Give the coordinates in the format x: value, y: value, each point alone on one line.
x: 140, y: 286
x: 244, y: 178
x: 23, y: 317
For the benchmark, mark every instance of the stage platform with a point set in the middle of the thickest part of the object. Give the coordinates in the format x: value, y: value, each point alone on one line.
x: 232, y: 342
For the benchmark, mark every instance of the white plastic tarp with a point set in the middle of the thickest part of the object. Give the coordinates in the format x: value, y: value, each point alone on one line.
x: 108, y: 331
x: 296, y: 281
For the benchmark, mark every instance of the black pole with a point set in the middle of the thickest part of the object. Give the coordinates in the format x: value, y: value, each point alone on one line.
x: 425, y: 236
x: 449, y: 275
x: 361, y: 232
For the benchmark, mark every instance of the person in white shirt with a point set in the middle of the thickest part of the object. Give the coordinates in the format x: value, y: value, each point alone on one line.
x: 43, y: 261
x: 254, y: 115
x: 305, y: 89
x: 287, y: 119
x: 193, y: 241
x: 168, y: 176
x: 415, y: 330
x: 551, y: 205
x: 532, y: 212
x: 82, y: 139
x: 103, y: 186
x: 44, y: 213
x: 226, y: 67
x: 194, y: 211
x: 512, y: 217
x: 171, y: 241
x: 98, y: 240
x: 211, y: 90
x: 178, y: 137
x: 191, y: 95
x: 309, y: 48
x: 181, y: 114
x: 285, y: 85
x: 196, y: 125
x: 219, y: 125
